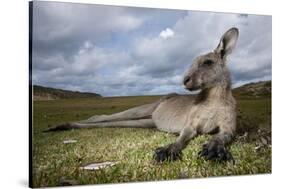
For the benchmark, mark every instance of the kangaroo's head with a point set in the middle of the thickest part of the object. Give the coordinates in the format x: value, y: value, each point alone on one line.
x: 210, y: 70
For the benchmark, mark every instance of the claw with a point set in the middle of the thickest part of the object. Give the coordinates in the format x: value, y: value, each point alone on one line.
x: 204, y: 151
x: 215, y: 150
x: 167, y: 153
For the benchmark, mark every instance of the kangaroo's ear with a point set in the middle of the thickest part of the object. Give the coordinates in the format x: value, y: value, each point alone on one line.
x: 227, y: 42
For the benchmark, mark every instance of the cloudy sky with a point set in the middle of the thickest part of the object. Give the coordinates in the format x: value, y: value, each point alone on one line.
x: 121, y: 51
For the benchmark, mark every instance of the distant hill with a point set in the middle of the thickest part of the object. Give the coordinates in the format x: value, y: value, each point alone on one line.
x: 254, y: 90
x: 48, y: 93
x: 251, y: 90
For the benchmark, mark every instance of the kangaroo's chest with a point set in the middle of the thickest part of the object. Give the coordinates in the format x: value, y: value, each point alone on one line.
x: 205, y: 118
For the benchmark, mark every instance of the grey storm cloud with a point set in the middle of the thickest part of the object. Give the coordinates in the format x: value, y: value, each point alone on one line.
x: 119, y: 51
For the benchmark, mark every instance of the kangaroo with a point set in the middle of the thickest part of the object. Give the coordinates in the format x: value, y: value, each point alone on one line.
x: 211, y: 111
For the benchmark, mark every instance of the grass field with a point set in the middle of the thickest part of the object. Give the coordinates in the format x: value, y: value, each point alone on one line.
x: 54, y: 161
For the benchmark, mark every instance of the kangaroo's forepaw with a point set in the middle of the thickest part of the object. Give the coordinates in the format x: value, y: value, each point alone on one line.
x: 215, y: 150
x: 167, y: 153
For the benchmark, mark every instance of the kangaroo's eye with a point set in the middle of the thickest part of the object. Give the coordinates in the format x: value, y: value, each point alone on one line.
x: 208, y: 62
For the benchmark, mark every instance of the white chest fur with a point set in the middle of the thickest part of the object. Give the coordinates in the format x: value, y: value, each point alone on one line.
x: 206, y: 118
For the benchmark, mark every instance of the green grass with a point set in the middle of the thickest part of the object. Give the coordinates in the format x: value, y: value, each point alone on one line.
x: 133, y: 148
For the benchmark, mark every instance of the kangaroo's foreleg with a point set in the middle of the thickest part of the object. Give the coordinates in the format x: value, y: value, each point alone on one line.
x: 173, y: 151
x: 216, y: 149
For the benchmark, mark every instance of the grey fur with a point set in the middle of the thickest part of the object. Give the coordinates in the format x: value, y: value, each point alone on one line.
x: 212, y: 110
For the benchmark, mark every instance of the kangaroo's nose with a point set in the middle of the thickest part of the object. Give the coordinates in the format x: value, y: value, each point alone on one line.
x: 186, y: 80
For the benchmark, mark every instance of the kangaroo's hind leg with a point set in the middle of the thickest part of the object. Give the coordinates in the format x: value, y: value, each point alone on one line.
x: 133, y: 117
x: 139, y: 123
x: 138, y: 117
x: 139, y: 112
